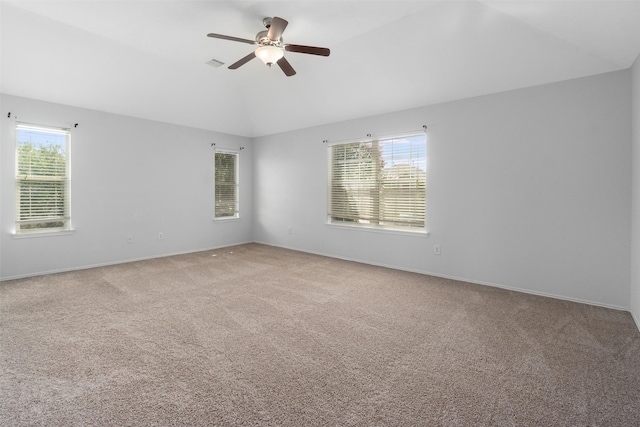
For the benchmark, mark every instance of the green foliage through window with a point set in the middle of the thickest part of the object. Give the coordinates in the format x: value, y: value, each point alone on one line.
x: 42, y: 178
x: 226, y: 185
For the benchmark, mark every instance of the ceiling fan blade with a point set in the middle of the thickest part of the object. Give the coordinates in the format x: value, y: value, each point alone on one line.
x: 313, y: 50
x: 233, y: 39
x: 277, y: 28
x: 243, y: 61
x: 286, y: 67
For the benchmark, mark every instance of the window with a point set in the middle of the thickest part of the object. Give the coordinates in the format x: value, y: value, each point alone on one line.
x: 226, y: 185
x: 379, y: 183
x: 42, y: 179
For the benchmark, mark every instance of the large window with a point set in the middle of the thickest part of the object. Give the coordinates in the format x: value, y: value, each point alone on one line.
x: 42, y: 179
x: 379, y: 183
x: 226, y: 185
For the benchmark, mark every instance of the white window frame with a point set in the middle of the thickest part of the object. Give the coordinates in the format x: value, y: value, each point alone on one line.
x: 236, y: 214
x: 39, y: 222
x: 360, y: 202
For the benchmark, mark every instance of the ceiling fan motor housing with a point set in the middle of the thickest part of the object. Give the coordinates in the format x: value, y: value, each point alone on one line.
x: 271, y: 47
x: 262, y: 38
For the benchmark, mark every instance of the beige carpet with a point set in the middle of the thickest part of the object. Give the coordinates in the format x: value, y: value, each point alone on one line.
x: 255, y: 335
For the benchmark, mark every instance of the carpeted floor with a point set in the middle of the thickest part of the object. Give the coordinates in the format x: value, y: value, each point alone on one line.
x: 257, y: 335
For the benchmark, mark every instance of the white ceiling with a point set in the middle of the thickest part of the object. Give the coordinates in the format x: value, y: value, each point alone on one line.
x: 147, y: 58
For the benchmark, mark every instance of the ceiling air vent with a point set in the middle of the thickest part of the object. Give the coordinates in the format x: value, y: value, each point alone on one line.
x: 215, y: 63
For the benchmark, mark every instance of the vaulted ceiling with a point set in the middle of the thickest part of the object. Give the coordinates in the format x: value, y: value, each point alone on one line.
x: 148, y: 58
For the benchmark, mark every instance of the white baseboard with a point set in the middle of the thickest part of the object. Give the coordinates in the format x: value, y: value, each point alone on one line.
x: 124, y: 261
x: 636, y: 318
x: 462, y: 279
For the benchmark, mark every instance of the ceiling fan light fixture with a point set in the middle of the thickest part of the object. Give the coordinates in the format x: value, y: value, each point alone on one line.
x: 269, y: 54
x: 271, y: 48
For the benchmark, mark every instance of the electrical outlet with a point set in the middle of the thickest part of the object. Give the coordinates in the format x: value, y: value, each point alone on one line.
x: 289, y: 230
x: 436, y: 249
x: 161, y: 236
x: 129, y: 238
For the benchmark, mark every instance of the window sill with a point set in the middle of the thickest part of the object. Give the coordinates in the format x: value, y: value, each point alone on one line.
x: 227, y: 218
x: 368, y: 229
x: 35, y: 234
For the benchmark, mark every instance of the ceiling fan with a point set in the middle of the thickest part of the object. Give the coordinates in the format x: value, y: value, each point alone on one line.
x: 271, y: 47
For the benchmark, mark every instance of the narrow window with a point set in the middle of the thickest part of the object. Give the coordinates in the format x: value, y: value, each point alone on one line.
x: 42, y: 179
x: 226, y: 185
x: 379, y: 183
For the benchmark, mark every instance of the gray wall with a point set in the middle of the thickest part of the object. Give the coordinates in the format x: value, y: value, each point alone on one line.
x: 528, y: 189
x: 129, y: 177
x: 635, y: 226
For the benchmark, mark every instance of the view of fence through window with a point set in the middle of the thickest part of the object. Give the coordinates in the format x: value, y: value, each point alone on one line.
x: 42, y: 193
x: 379, y: 183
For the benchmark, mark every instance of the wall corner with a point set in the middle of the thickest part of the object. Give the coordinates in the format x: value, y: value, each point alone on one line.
x: 635, y: 192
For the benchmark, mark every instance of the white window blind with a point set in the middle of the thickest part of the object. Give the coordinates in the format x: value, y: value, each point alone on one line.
x: 379, y: 183
x: 42, y: 178
x: 226, y: 185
